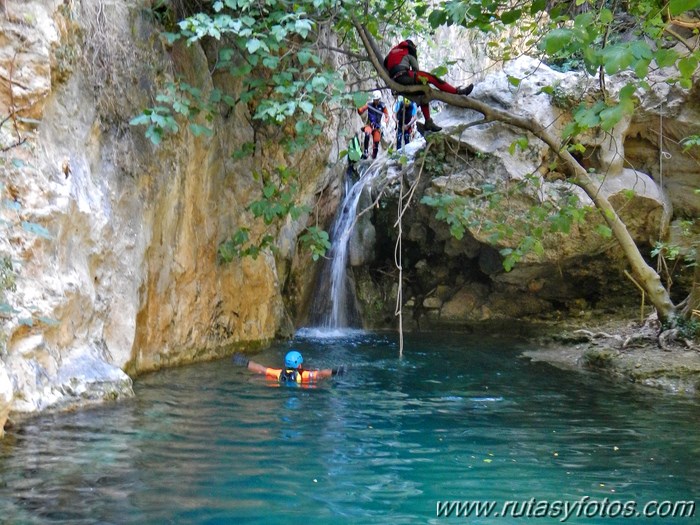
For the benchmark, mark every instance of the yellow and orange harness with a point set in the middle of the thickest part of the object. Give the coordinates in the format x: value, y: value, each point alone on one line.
x: 292, y: 375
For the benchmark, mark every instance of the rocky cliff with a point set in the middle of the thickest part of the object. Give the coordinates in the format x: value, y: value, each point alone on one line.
x: 112, y: 241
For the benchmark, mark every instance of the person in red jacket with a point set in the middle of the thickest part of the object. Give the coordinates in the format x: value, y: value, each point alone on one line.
x: 402, y: 65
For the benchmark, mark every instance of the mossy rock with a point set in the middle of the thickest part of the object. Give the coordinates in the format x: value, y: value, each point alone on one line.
x: 598, y: 358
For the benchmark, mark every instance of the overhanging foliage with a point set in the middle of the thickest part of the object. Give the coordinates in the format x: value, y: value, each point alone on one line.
x: 276, y: 49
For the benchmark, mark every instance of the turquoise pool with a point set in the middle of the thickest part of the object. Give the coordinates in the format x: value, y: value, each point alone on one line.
x: 408, y: 440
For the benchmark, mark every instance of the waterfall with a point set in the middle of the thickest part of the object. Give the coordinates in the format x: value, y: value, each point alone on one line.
x: 335, y: 305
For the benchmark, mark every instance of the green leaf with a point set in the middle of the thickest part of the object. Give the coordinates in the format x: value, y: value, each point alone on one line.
x: 604, y: 231
x: 155, y: 134
x: 437, y: 18
x: 687, y: 66
x: 641, y: 49
x: 665, y: 57
x: 303, y: 56
x: 556, y: 40
x: 589, y: 117
x: 420, y: 10
x: 521, y: 143
x: 611, y: 116
x: 140, y: 120
x: 198, y: 130
x: 269, y: 191
x: 511, y: 16
x: 440, y: 71
x: 641, y: 68
x: 537, y: 6
x: 171, y: 38
x: 303, y: 27
x: 359, y: 99
x: 617, y: 58
x: 253, y: 45
x: 676, y: 7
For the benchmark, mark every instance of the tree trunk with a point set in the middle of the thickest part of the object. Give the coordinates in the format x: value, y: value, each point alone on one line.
x: 644, y: 274
x: 693, y: 301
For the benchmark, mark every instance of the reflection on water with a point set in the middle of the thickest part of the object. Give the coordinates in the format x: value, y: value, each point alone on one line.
x: 457, y: 418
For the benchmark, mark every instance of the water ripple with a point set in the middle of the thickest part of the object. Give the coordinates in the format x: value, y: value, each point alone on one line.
x: 211, y: 443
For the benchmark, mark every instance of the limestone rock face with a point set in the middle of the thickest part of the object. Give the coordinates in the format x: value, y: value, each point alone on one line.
x: 28, y: 34
x: 113, y: 241
x: 6, y: 395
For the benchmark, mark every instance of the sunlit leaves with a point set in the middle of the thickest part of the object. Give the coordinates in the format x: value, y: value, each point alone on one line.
x: 615, y: 58
x: 557, y: 40
x: 605, y: 16
x: 605, y: 115
x: 253, y: 44
x: 604, y: 231
x: 158, y: 121
x: 666, y: 57
x: 271, y: 36
x: 687, y: 67
x: 521, y: 142
x: 180, y: 99
x: 691, y: 141
x: 316, y: 241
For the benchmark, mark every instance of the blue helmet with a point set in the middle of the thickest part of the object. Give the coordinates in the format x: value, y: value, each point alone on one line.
x: 293, y: 359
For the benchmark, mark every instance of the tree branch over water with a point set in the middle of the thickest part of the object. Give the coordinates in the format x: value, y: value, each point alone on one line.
x: 576, y: 173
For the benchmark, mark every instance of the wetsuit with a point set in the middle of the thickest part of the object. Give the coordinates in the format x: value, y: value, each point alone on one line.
x: 404, y: 117
x: 376, y: 111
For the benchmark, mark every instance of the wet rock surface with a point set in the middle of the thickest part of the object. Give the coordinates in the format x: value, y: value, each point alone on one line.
x: 627, y: 352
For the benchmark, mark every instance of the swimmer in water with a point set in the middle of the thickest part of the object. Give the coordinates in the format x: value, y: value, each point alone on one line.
x: 292, y: 371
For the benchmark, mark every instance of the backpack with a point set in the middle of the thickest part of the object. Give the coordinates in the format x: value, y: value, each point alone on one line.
x: 392, y: 61
x: 354, y: 150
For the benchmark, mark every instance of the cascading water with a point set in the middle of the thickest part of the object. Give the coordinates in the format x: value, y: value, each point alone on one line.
x: 334, y: 305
